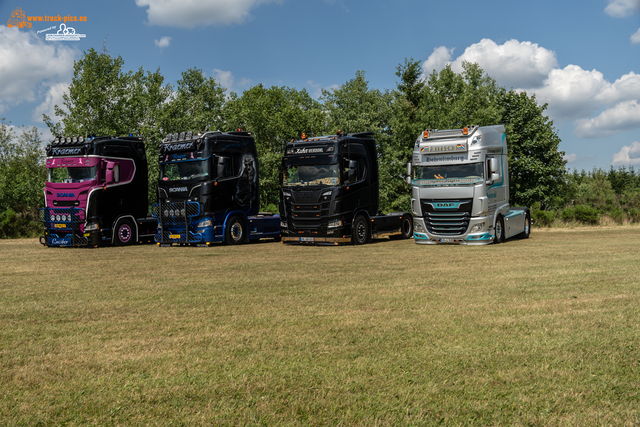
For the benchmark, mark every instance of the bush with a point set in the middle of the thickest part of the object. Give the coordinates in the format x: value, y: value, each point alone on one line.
x: 568, y: 214
x: 587, y: 214
x: 543, y: 218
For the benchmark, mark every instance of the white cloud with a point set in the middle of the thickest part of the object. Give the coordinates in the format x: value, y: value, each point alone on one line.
x: 622, y: 8
x: 628, y: 155
x: 53, y: 98
x: 224, y: 78
x: 163, y: 42
x: 228, y: 81
x: 622, y: 117
x: 569, y: 158
x: 572, y: 92
x: 513, y: 64
x: 191, y: 13
x: 28, y: 65
x: 636, y: 37
x: 440, y: 57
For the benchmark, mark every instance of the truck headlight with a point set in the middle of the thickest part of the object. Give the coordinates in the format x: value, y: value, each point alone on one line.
x: 205, y: 223
x: 91, y: 227
x: 283, y: 224
x: 335, y: 223
x: 418, y: 227
x: 477, y: 227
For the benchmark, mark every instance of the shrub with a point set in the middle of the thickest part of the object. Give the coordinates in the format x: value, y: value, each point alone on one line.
x: 543, y: 218
x: 587, y: 214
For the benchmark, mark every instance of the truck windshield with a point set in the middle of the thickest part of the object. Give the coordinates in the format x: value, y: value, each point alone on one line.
x: 70, y: 175
x: 469, y: 173
x: 317, y: 175
x: 184, y: 170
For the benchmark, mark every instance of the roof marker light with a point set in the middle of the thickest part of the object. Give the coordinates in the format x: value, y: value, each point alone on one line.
x: 465, y: 131
x: 425, y: 134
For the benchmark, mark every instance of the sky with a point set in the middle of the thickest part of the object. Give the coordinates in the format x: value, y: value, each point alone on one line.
x: 582, y: 58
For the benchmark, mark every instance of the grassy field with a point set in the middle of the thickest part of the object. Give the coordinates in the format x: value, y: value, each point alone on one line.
x: 544, y: 331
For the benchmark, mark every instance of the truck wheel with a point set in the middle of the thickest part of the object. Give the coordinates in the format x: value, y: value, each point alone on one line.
x: 236, y: 233
x: 499, y: 230
x: 125, y: 233
x: 360, y: 231
x: 406, y: 228
x: 527, y: 226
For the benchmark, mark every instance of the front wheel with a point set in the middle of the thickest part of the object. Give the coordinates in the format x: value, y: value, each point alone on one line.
x: 406, y: 228
x: 360, y: 231
x: 236, y: 231
x: 499, y: 230
x: 125, y: 233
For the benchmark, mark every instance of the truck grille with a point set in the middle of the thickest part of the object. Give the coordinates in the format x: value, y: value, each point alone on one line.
x: 175, y: 213
x: 63, y: 226
x: 447, y: 217
x: 308, y: 215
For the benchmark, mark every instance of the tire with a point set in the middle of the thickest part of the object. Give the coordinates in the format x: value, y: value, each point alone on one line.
x: 360, y: 233
x: 499, y: 230
x: 125, y: 233
x: 236, y: 232
x: 527, y: 226
x: 406, y: 228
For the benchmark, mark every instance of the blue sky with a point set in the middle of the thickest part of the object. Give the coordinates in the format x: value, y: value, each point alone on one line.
x: 580, y: 57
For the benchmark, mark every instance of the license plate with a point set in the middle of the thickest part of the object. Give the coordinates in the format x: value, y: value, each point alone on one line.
x: 307, y: 239
x: 60, y: 225
x: 446, y: 240
x: 174, y: 236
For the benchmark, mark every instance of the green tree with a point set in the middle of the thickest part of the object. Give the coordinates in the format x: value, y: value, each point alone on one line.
x: 105, y: 100
x: 536, y: 167
x: 274, y: 115
x: 22, y: 178
x: 354, y: 107
x: 196, y: 105
x: 450, y: 100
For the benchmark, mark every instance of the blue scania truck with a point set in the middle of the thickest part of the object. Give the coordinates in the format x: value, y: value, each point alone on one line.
x: 208, y: 191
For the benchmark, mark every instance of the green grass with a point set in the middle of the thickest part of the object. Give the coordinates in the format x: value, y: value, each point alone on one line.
x: 544, y: 331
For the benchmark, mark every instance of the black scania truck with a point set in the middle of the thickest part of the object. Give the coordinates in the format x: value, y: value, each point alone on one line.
x: 96, y: 192
x: 208, y: 191
x: 329, y: 192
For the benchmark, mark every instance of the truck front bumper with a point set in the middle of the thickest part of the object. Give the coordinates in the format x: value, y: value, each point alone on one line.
x: 483, y: 236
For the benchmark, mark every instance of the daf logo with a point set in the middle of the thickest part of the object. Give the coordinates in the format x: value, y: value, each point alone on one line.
x: 66, y: 195
x: 445, y: 205
x: 177, y: 189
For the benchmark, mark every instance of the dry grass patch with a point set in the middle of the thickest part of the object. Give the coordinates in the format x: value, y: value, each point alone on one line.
x: 543, y: 331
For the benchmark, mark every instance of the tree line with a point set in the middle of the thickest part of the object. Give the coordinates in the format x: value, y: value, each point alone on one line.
x: 104, y: 99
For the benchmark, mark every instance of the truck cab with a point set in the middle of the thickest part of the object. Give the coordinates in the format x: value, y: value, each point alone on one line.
x: 460, y: 188
x: 208, y: 191
x: 330, y: 192
x: 96, y: 192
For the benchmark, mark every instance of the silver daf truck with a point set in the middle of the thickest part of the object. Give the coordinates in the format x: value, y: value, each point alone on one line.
x: 460, y: 188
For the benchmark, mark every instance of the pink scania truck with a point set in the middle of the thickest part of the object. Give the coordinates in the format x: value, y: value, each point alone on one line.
x: 96, y: 193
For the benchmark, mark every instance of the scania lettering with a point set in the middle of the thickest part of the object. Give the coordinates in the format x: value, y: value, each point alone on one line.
x: 460, y: 188
x: 96, y: 192
x: 329, y: 193
x: 208, y: 191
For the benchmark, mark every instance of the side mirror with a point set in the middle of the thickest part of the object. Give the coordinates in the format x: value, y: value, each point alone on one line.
x: 409, y: 173
x: 494, y: 165
x: 352, y: 171
x: 495, y: 176
x: 222, y: 167
x: 109, y: 173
